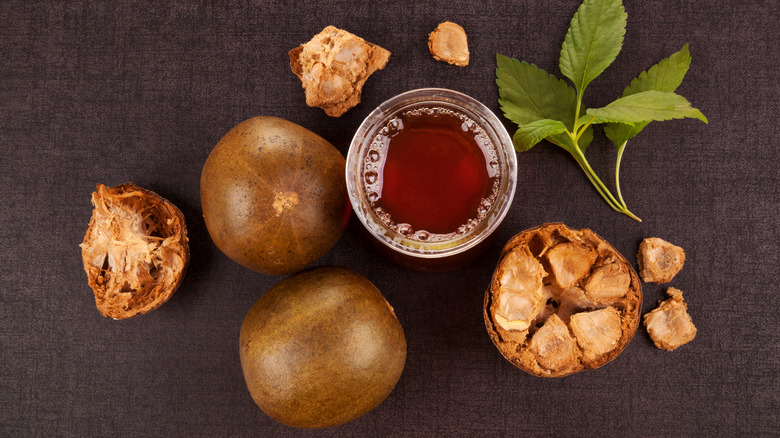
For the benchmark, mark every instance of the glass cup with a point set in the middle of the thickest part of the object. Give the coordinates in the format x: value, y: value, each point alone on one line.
x: 365, y: 157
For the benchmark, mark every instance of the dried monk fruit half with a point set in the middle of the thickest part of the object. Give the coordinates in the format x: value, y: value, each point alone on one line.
x: 448, y: 43
x: 135, y: 251
x: 659, y: 261
x: 333, y: 66
x: 561, y: 301
x: 670, y: 325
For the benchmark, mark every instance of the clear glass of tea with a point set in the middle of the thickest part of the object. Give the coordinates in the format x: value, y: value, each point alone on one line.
x: 431, y: 173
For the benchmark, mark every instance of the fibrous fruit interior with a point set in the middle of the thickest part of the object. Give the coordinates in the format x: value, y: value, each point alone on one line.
x: 561, y: 301
x: 448, y: 43
x: 135, y: 250
x: 659, y: 261
x: 333, y: 66
x: 670, y: 325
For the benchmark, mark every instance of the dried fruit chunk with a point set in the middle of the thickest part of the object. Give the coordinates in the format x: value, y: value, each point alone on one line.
x: 570, y: 262
x: 333, y: 66
x: 135, y: 250
x: 670, y: 325
x: 608, y: 283
x: 448, y: 43
x: 659, y: 261
x: 516, y: 311
x: 597, y: 332
x: 581, y: 296
x: 519, y: 297
x: 553, y: 346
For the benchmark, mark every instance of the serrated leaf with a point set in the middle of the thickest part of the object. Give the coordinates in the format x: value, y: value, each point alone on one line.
x: 532, y: 133
x: 667, y: 75
x: 593, y: 41
x: 646, y: 106
x: 528, y: 93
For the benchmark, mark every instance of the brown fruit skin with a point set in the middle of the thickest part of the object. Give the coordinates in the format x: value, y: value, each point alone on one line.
x: 321, y: 348
x: 274, y: 196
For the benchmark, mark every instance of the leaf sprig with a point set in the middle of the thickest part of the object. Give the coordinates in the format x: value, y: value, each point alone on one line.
x: 547, y: 108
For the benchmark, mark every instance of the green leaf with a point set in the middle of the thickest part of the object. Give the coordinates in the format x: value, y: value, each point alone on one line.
x: 646, y: 106
x: 531, y: 133
x: 585, y: 139
x: 667, y: 75
x: 528, y: 93
x: 593, y: 41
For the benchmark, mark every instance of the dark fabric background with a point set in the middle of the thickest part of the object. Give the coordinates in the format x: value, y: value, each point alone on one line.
x: 107, y: 92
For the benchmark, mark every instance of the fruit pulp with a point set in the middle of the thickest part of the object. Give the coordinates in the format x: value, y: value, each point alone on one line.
x: 438, y: 176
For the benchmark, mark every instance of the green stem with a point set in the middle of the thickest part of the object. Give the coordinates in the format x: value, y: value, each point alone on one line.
x: 598, y: 184
x: 617, y: 172
x: 576, y: 152
x: 584, y: 127
x: 617, y: 182
x: 600, y: 187
x: 604, y: 195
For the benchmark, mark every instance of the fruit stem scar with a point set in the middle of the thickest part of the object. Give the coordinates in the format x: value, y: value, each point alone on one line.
x: 284, y: 201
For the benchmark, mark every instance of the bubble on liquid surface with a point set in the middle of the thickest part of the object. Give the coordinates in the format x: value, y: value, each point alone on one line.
x: 405, y: 229
x: 371, y: 177
x: 373, y: 156
x: 394, y: 126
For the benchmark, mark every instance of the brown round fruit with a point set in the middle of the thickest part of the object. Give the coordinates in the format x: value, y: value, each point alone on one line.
x: 561, y: 301
x: 274, y: 196
x: 320, y: 348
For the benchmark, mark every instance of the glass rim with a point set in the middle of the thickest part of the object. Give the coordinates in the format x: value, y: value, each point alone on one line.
x: 460, y: 102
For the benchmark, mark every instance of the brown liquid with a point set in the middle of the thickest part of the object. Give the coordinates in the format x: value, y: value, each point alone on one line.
x: 437, y: 175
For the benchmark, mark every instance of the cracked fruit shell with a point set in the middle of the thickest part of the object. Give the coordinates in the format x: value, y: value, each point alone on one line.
x: 274, y: 196
x: 321, y: 348
x: 561, y: 301
x: 135, y: 250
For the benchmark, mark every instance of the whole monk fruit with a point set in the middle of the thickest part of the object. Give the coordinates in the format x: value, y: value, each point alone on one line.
x: 321, y: 348
x: 274, y: 196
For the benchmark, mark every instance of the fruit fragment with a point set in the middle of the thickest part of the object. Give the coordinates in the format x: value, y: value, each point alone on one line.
x: 553, y: 345
x: 135, y: 250
x: 659, y: 261
x: 333, y: 66
x: 670, y: 325
x: 597, y: 332
x: 448, y: 43
x: 520, y: 297
x: 608, y: 283
x: 561, y: 301
x: 569, y: 263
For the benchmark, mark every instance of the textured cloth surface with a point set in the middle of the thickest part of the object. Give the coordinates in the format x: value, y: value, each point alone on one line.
x: 108, y: 92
